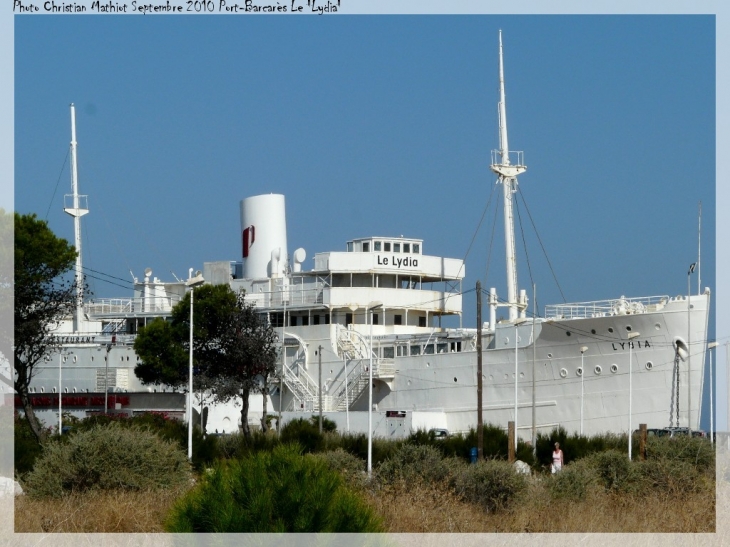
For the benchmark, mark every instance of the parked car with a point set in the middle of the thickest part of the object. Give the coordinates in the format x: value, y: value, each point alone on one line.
x: 439, y: 433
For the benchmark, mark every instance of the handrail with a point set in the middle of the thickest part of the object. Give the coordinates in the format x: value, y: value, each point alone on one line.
x: 602, y: 308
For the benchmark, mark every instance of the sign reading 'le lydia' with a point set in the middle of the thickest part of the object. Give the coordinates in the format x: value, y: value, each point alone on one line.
x: 398, y: 262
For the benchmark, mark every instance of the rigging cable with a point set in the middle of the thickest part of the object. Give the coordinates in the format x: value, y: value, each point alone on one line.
x: 543, y: 247
x: 57, y: 183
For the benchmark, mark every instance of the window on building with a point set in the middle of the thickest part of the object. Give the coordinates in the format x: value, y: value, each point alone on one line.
x: 397, y: 319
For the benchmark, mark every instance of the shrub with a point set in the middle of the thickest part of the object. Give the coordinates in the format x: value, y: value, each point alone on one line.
x: 280, y: 491
x: 411, y: 463
x: 352, y: 468
x: 328, y: 426
x: 613, y: 469
x: 575, y: 482
x: 26, y: 449
x: 493, y: 484
x: 108, y: 457
x: 303, y: 432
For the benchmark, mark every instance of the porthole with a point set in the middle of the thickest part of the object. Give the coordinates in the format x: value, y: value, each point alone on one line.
x: 563, y: 373
x: 628, y: 328
x: 47, y: 358
x: 506, y: 376
x: 550, y: 355
x: 567, y: 333
x: 74, y: 390
x: 454, y: 378
x: 506, y: 340
x: 614, y: 369
x: 610, y: 329
x: 121, y: 358
x: 657, y: 326
x: 92, y: 358
x: 522, y: 374
x: 54, y: 390
x: 65, y: 390
x: 65, y: 359
x: 649, y: 365
x: 43, y: 390
x: 579, y: 371
x: 593, y: 331
x: 598, y: 370
x: 74, y: 358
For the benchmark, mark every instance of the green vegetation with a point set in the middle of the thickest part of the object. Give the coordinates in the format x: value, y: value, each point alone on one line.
x: 279, y: 491
x: 107, y: 457
x: 307, y: 481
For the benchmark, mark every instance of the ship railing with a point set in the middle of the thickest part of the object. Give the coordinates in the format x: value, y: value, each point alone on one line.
x: 113, y: 306
x: 357, y: 380
x: 606, y: 308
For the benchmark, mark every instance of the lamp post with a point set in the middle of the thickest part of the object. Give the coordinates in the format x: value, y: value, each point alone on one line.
x: 583, y: 349
x: 711, y: 346
x: 631, y: 336
x: 192, y: 282
x: 689, y: 354
x: 370, y: 309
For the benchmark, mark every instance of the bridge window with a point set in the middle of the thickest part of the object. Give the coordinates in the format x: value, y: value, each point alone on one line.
x: 421, y: 321
x: 305, y: 321
x: 402, y: 351
x: 376, y: 319
x: 415, y: 350
x: 365, y: 246
x: 349, y: 246
x: 442, y: 348
x: 388, y: 352
x: 416, y: 248
x: 397, y: 319
x: 326, y: 318
x: 406, y: 247
x: 396, y: 247
x: 348, y: 319
x: 377, y: 246
x: 428, y: 350
x: 315, y: 319
x: 386, y: 246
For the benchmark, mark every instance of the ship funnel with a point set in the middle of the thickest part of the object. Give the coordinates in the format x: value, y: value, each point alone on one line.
x: 263, y: 236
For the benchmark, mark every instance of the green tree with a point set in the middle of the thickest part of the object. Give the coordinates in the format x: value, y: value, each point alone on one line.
x: 234, y: 348
x: 43, y: 296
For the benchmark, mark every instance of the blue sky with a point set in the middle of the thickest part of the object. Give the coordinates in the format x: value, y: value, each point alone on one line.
x: 377, y: 125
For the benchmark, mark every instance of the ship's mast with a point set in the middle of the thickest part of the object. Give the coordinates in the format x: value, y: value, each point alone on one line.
x: 507, y: 172
x: 76, y: 206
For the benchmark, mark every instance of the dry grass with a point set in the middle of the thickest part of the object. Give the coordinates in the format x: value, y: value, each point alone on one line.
x: 96, y: 511
x: 411, y: 509
x: 405, y: 508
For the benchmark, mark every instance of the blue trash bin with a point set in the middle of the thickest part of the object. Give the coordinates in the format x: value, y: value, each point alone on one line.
x: 473, y: 454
